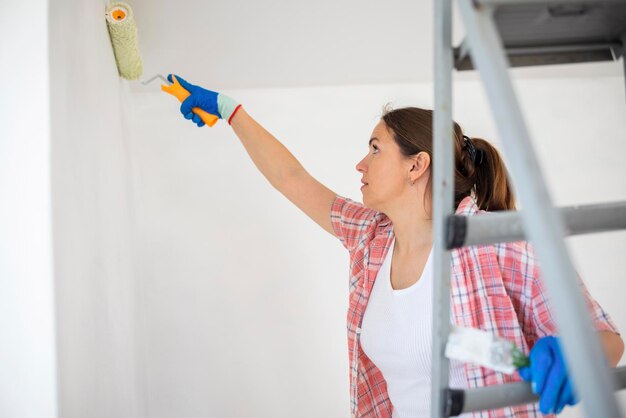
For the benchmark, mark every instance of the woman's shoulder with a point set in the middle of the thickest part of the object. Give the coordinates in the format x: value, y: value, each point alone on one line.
x: 355, y: 224
x: 349, y: 210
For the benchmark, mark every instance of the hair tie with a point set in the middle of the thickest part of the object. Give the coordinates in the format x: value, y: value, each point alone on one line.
x: 477, y: 155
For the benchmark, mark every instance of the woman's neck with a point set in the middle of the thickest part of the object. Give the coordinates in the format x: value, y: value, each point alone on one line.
x: 413, y: 231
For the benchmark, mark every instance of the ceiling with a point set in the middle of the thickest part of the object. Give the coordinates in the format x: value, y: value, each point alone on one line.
x: 287, y: 43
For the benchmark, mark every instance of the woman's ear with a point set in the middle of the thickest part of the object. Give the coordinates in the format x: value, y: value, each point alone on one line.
x: 420, y: 165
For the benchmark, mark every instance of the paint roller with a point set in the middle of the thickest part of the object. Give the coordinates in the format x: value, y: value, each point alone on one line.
x: 123, y: 34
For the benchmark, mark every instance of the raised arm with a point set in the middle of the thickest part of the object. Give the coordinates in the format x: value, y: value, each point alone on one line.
x: 273, y: 159
x: 283, y: 170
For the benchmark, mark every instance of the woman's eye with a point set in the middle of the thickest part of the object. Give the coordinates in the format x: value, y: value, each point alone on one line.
x: 375, y: 148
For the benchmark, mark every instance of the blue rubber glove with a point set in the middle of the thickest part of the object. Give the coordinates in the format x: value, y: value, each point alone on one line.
x: 215, y: 103
x: 549, y: 376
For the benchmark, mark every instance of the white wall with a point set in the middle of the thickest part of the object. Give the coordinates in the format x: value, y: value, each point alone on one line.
x: 66, y: 279
x: 93, y: 262
x: 243, y: 299
x: 27, y: 350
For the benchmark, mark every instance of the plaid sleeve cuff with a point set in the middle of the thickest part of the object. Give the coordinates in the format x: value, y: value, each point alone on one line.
x: 603, y: 322
x: 335, y: 218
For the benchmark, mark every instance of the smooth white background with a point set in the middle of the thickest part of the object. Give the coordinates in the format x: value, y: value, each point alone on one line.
x: 148, y: 270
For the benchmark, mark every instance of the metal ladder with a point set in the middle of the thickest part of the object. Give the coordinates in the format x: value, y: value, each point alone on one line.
x: 491, y: 47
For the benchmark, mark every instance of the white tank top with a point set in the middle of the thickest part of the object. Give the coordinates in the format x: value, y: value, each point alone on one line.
x: 396, y: 334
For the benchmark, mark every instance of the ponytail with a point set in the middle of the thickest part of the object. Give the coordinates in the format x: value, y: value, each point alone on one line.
x: 481, y: 172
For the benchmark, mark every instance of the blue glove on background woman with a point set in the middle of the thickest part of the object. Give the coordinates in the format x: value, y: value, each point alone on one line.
x: 214, y: 103
x: 549, y: 376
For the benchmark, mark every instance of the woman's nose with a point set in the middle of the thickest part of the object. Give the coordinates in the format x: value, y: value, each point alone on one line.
x: 360, y: 167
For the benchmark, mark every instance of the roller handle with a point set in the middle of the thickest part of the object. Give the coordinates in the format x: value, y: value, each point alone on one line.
x: 178, y: 91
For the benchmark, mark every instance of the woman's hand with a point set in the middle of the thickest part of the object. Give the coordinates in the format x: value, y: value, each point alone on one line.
x: 212, y: 102
x: 549, y: 376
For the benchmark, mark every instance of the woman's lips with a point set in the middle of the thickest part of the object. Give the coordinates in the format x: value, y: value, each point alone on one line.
x: 362, y: 187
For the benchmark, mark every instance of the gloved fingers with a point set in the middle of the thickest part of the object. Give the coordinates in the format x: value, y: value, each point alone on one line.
x: 555, y: 382
x: 525, y: 373
x: 189, y: 115
x: 188, y: 104
x: 541, y: 359
x: 186, y: 85
x: 569, y: 394
x: 200, y: 124
x: 565, y: 397
x: 196, y: 119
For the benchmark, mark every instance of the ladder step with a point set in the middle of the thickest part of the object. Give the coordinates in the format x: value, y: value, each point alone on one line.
x: 459, y: 401
x: 527, y: 56
x: 507, y: 226
x: 547, y: 32
x: 545, y: 3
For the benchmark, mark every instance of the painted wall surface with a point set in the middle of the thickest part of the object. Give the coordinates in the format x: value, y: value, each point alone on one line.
x: 27, y: 352
x: 92, y: 215
x: 243, y: 298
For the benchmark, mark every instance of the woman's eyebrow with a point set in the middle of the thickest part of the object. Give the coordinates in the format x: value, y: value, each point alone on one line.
x: 373, y: 139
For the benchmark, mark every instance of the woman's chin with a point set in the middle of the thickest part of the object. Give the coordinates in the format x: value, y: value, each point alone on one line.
x: 368, y: 204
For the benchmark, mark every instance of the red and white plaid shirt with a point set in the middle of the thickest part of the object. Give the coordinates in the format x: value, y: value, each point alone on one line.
x: 494, y: 288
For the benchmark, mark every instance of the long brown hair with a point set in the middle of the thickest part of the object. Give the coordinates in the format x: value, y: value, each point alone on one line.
x: 412, y: 129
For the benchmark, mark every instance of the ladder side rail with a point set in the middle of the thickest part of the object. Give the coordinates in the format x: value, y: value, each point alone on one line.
x: 581, y: 345
x: 443, y: 200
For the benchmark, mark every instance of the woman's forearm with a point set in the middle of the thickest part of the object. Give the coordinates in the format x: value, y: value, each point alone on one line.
x: 613, y: 346
x: 271, y: 157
